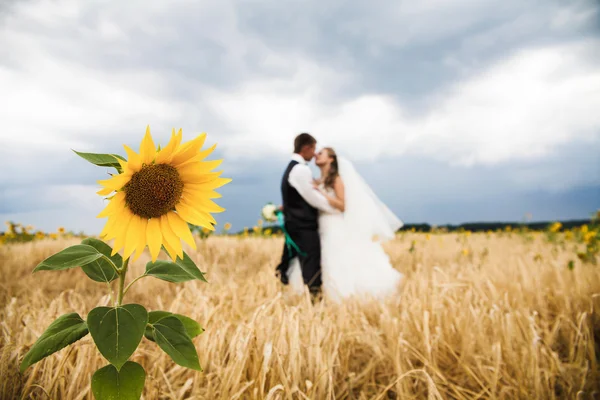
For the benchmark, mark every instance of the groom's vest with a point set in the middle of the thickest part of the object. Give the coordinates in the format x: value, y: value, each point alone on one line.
x: 297, y: 212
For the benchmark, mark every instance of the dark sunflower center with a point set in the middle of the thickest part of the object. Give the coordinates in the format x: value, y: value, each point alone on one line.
x: 153, y: 191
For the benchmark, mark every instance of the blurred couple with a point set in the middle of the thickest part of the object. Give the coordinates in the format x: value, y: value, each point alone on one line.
x: 336, y: 224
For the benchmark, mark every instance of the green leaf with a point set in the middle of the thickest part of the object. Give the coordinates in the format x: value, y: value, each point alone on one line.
x: 65, y: 330
x: 101, y: 270
x: 170, y: 336
x: 117, y: 331
x: 108, y: 383
x: 178, y: 271
x: 192, y: 328
x: 71, y: 257
x: 102, y: 160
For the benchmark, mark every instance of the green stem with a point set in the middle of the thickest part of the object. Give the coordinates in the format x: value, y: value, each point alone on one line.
x: 132, y: 282
x: 112, y: 264
x: 110, y: 292
x: 122, y: 274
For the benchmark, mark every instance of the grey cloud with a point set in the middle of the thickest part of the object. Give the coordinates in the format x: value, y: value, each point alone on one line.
x: 376, y: 40
x: 389, y: 47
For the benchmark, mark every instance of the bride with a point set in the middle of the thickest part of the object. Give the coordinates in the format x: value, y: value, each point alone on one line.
x: 352, y: 259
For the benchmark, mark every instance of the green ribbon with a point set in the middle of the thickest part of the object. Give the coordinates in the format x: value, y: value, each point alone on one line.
x: 288, y: 239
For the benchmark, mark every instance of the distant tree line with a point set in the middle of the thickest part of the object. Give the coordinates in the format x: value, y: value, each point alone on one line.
x: 494, y: 226
x: 473, y: 226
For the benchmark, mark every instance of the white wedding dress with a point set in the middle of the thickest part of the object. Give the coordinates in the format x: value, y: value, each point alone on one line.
x: 352, y: 263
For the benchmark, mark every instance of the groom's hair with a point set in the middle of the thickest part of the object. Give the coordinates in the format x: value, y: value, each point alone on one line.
x: 303, y: 139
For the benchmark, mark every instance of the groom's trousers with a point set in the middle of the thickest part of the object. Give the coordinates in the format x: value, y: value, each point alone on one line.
x: 310, y: 244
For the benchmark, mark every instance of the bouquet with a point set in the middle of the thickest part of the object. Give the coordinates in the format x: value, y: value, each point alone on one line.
x: 269, y: 212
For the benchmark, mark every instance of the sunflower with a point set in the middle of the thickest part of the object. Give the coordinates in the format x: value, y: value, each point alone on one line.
x: 159, y: 192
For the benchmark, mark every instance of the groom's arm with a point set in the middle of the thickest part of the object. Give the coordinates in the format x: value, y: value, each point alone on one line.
x: 301, y: 179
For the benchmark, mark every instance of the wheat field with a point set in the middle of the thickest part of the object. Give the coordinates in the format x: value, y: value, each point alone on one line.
x: 494, y: 317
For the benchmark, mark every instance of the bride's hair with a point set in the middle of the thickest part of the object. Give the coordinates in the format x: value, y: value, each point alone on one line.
x: 333, y: 168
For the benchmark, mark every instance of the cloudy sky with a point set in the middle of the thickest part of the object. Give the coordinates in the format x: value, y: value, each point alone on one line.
x: 453, y: 110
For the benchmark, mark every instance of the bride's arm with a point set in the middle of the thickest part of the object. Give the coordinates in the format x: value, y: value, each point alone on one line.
x: 338, y: 201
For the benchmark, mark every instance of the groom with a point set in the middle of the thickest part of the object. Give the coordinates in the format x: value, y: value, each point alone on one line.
x: 301, y: 205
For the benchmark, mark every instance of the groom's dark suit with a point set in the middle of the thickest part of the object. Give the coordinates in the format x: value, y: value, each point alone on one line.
x: 300, y: 210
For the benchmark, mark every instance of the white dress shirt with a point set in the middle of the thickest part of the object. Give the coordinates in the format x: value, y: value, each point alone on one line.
x: 301, y: 179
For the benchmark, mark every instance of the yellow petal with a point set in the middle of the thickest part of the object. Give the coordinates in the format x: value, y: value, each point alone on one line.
x: 123, y: 164
x: 181, y: 229
x: 117, y: 223
x: 192, y: 216
x: 147, y: 148
x: 114, y: 206
x: 170, y: 251
x: 109, y: 228
x: 206, y: 193
x: 131, y: 236
x: 154, y: 237
x: 170, y: 237
x: 134, y: 160
x: 196, y: 172
x: 165, y: 155
x: 202, y: 200
x: 121, y: 231
x: 116, y: 182
x: 217, y: 183
x: 211, y: 184
x: 141, y: 243
x: 104, y: 192
x: 200, y: 156
x: 199, y: 166
x: 188, y: 150
x: 202, y: 204
x: 206, y: 178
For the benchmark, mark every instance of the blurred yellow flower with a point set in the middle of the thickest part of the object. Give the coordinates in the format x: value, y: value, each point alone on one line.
x: 61, y: 230
x: 227, y: 226
x: 555, y: 227
x: 587, y: 238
